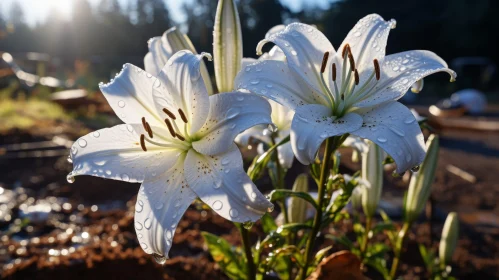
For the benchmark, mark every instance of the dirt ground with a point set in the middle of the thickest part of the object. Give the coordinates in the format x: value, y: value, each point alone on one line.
x: 87, y: 231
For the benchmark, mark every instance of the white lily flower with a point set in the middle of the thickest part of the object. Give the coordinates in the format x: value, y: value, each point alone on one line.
x: 281, y: 117
x: 178, y: 142
x: 353, y: 91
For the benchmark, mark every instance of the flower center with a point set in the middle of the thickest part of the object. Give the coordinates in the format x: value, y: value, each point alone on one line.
x: 177, y: 140
x: 342, y: 99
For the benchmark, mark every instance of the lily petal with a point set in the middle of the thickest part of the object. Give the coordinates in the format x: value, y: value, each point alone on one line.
x: 285, y: 155
x: 160, y: 205
x: 246, y: 61
x: 230, y: 114
x: 400, y: 71
x: 256, y: 132
x: 221, y: 183
x: 184, y: 82
x: 304, y: 47
x: 130, y: 95
x: 312, y: 124
x: 367, y: 40
x: 274, y: 80
x: 158, y: 56
x: 394, y: 128
x: 115, y: 153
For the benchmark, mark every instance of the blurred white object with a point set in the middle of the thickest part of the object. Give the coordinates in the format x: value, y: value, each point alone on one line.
x: 473, y: 100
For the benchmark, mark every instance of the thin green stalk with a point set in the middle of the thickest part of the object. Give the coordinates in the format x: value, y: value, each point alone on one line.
x: 250, y: 263
x: 365, y: 241
x: 398, y: 249
x: 320, y: 197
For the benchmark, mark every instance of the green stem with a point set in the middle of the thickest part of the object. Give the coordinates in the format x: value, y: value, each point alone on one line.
x: 250, y: 263
x: 365, y: 241
x: 318, y: 214
x: 398, y: 249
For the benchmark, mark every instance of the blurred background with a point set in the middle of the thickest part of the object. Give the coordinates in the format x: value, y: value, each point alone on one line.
x: 53, y: 54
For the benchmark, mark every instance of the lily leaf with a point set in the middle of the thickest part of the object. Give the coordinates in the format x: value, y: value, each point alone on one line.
x: 280, y: 194
x: 231, y: 262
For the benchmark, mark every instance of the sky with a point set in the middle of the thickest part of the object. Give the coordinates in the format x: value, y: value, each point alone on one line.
x: 36, y: 10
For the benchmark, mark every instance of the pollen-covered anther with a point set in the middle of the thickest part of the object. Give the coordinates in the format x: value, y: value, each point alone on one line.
x: 149, y: 130
x: 333, y: 67
x: 169, y: 113
x: 324, y: 62
x: 377, y: 69
x: 170, y: 127
x: 182, y: 115
x: 142, y: 143
x: 144, y: 123
x: 346, y: 49
x: 356, y: 75
x: 352, y: 61
x: 180, y: 137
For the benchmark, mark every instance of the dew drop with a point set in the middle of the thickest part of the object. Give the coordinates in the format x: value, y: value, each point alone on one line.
x: 82, y: 143
x: 415, y: 168
x: 70, y: 177
x: 269, y: 85
x: 382, y: 140
x: 405, y: 61
x: 253, y: 195
x: 270, y: 209
x: 148, y: 223
x: 255, y: 82
x: 125, y: 177
x: 217, y: 205
x: 159, y: 259
x: 144, y: 246
x: 99, y: 162
x: 232, y: 113
x: 409, y: 120
x: 159, y: 205
x: 357, y: 34
x: 234, y: 213
x: 218, y: 184
x: 168, y: 234
x: 157, y: 84
x: 121, y: 104
x: 129, y: 128
x: 139, y: 206
x: 96, y: 134
x: 398, y: 131
x: 148, y: 75
x: 138, y: 226
x: 225, y: 161
x: 227, y: 171
x: 108, y: 172
x: 396, y: 68
x: 405, y: 81
x: 240, y: 98
x: 248, y: 69
x: 294, y: 53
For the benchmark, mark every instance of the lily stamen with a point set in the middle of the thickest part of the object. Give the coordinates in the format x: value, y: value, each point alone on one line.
x: 182, y: 115
x: 169, y: 113
x: 324, y: 62
x: 170, y: 127
x: 352, y: 61
x: 377, y: 69
x: 142, y: 143
x: 356, y: 75
x: 180, y: 137
x: 149, y: 130
x: 328, y: 94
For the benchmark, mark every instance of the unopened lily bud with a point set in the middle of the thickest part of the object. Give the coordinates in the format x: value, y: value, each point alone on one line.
x: 420, y: 185
x: 356, y: 197
x: 227, y: 45
x: 297, y: 206
x: 372, y: 172
x: 448, y: 241
x: 417, y: 86
x: 164, y: 47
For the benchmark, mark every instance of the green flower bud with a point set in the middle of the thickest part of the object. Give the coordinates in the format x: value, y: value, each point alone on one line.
x: 448, y: 242
x: 227, y: 45
x: 420, y: 185
x: 372, y: 172
x: 298, y: 207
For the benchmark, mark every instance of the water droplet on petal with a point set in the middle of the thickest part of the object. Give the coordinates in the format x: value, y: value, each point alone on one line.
x: 99, y: 162
x: 294, y: 53
x: 357, y: 34
x: 159, y: 205
x: 255, y: 82
x: 148, y: 223
x: 269, y: 85
x: 121, y: 104
x: 139, y: 206
x: 96, y: 134
x: 382, y: 139
x: 108, y: 172
x: 233, y: 213
x: 405, y: 81
x: 82, y: 143
x: 70, y: 177
x: 227, y: 171
x: 270, y: 209
x: 125, y: 177
x: 240, y: 98
x: 232, y: 113
x: 409, y: 120
x: 396, y: 68
x: 159, y: 259
x: 253, y: 195
x: 129, y: 128
x: 248, y: 69
x: 218, y: 184
x: 217, y: 205
x: 138, y: 226
x: 225, y: 161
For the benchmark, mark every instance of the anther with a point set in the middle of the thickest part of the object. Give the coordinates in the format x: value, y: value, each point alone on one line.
x: 346, y: 48
x: 170, y: 127
x: 180, y: 137
x: 334, y: 72
x: 142, y: 143
x: 149, y: 130
x: 376, y: 69
x: 324, y: 62
x: 169, y: 113
x: 356, y: 75
x: 182, y: 115
x: 144, y: 123
x: 350, y: 57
